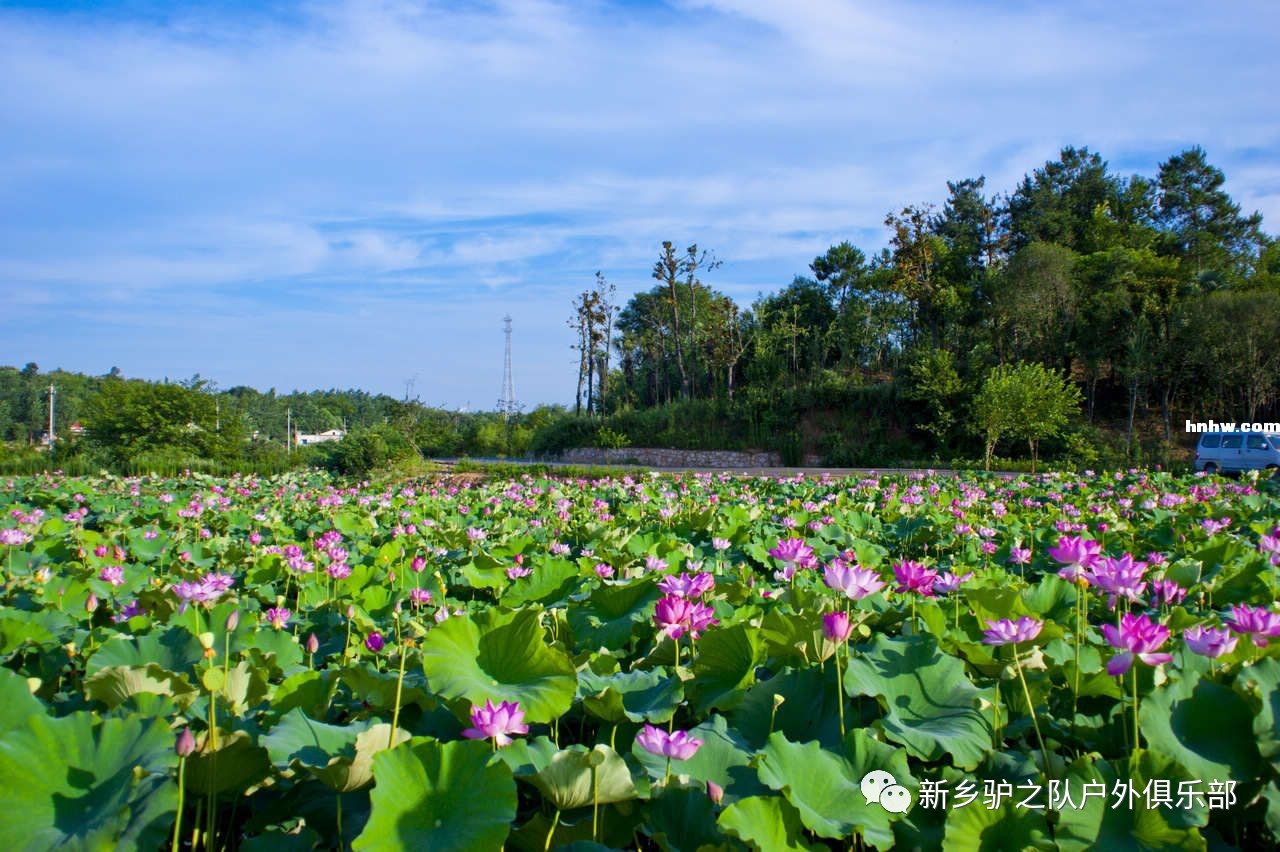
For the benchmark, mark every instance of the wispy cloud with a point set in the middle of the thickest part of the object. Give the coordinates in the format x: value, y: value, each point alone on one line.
x: 253, y: 183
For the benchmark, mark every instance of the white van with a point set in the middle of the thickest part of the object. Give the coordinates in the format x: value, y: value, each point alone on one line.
x: 1233, y: 451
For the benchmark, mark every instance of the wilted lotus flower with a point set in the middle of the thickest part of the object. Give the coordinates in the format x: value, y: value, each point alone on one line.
x: 1007, y: 632
x: 1210, y: 642
x: 677, y: 745
x: 496, y: 722
x: 1138, y: 636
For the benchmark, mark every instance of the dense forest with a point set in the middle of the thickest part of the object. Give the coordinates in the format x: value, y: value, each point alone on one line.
x: 132, y: 425
x: 1157, y: 296
x: 1154, y: 299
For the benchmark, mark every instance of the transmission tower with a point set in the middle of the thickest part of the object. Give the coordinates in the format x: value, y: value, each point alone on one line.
x: 507, y: 403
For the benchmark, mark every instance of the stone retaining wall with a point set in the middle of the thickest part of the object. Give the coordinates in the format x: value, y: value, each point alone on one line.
x: 664, y: 458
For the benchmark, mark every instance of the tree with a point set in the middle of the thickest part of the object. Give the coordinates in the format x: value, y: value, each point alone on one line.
x: 1202, y: 226
x: 1024, y: 401
x: 932, y: 379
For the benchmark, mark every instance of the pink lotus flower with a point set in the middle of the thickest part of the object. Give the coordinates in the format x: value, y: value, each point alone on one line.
x: 419, y: 597
x: 374, y: 642
x: 1259, y: 623
x: 837, y: 627
x: 1078, y: 554
x: 794, y: 552
x: 1210, y: 642
x: 677, y: 745
x: 515, y: 572
x: 948, y: 582
x: 1167, y: 592
x: 496, y: 722
x: 1119, y: 578
x: 914, y: 577
x: 686, y: 586
x: 112, y: 574
x: 1138, y: 636
x: 278, y: 616
x: 1007, y: 632
x: 672, y: 614
x: 855, y: 582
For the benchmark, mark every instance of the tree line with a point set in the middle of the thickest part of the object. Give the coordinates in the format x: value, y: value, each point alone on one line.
x: 1157, y: 297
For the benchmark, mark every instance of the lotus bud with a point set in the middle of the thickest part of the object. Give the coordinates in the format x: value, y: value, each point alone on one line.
x: 186, y: 743
x: 233, y: 621
x: 715, y: 792
x: 313, y: 644
x: 351, y: 611
x: 91, y: 603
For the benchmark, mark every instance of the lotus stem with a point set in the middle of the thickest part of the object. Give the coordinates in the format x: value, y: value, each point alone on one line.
x: 551, y: 831
x: 177, y: 822
x: 395, y: 715
x: 1031, y: 708
x: 840, y: 688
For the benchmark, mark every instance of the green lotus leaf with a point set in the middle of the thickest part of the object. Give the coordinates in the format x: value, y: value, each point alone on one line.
x: 500, y: 657
x: 808, y: 710
x: 17, y: 704
x: 932, y: 707
x: 1203, y: 725
x: 725, y: 666
x: 340, y: 756
x: 765, y: 824
x: 235, y: 765
x: 637, y: 696
x: 1262, y: 682
x: 825, y: 787
x: 551, y: 582
x: 116, y: 684
x: 976, y: 828
x: 83, y: 784
x: 723, y: 758
x: 173, y: 649
x: 438, y: 796
x: 1091, y: 822
x: 610, y: 614
x: 683, y: 819
x: 567, y: 782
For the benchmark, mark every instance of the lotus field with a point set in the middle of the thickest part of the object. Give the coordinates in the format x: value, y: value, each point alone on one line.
x: 700, y: 662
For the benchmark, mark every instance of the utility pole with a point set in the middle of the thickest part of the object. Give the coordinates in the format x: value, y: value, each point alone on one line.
x: 288, y: 430
x: 52, y: 392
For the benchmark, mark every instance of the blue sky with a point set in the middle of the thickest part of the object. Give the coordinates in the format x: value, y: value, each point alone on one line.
x: 353, y: 194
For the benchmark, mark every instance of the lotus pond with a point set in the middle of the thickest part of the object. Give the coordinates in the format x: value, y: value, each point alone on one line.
x: 701, y: 662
